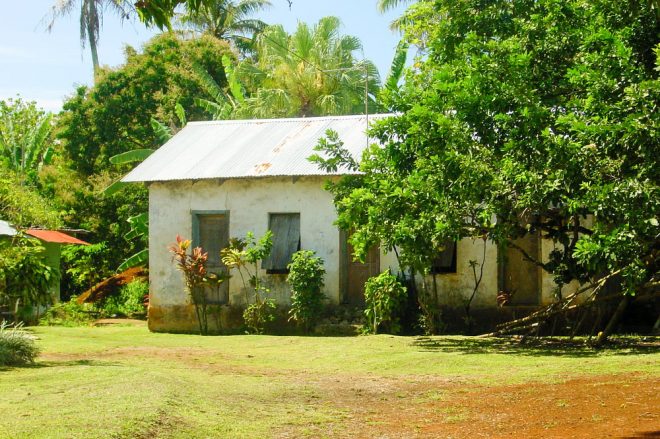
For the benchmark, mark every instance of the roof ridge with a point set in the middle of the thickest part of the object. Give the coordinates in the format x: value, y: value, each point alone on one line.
x: 286, y: 119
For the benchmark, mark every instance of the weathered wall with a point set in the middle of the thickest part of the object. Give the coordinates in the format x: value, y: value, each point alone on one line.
x: 249, y: 201
x: 455, y: 288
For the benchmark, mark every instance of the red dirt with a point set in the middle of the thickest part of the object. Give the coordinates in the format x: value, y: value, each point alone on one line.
x: 620, y: 406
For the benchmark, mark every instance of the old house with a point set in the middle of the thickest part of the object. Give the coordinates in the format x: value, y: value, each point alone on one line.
x: 217, y: 180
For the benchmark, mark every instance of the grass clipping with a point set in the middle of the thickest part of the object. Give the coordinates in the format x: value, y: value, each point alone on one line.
x: 17, y: 347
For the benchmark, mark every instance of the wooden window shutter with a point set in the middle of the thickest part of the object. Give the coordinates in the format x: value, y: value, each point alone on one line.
x: 213, y: 237
x: 286, y: 241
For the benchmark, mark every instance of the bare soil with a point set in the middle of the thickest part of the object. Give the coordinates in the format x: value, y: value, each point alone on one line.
x: 614, y: 406
x: 414, y: 406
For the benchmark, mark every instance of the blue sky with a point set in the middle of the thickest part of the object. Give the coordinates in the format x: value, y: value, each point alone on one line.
x: 46, y: 67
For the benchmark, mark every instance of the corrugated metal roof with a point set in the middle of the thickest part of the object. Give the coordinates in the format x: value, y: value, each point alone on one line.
x: 249, y: 148
x: 54, y: 236
x: 6, y: 229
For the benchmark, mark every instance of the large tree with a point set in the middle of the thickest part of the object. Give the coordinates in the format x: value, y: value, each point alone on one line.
x: 523, y: 116
x: 91, y: 19
x: 311, y: 72
x: 115, y: 116
x: 227, y: 20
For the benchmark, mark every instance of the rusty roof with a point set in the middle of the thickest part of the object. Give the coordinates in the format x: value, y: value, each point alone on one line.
x: 54, y: 236
x: 249, y: 148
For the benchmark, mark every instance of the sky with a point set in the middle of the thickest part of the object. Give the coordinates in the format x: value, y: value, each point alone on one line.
x: 47, y: 67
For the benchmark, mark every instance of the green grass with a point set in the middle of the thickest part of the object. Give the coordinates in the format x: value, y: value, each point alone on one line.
x: 126, y: 382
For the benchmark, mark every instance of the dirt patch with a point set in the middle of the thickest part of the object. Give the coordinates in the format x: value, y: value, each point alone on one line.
x: 619, y: 406
x: 120, y: 322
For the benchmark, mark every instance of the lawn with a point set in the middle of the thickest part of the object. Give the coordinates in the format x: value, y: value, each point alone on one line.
x: 125, y: 382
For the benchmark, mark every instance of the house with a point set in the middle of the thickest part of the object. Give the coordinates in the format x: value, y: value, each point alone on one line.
x: 217, y: 180
x: 51, y: 241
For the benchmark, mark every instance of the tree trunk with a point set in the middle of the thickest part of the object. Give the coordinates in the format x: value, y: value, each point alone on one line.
x: 602, y: 336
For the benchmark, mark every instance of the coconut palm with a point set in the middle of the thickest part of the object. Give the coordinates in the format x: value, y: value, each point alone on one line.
x: 227, y: 20
x: 91, y: 19
x: 312, y: 72
x: 387, y: 5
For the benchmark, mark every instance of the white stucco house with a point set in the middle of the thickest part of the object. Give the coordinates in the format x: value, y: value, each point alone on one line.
x: 217, y: 180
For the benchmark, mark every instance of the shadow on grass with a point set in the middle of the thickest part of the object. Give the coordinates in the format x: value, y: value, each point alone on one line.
x: 533, y: 346
x: 68, y: 363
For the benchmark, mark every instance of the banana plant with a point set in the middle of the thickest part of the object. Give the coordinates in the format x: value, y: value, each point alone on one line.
x: 140, y: 223
x: 24, y: 136
x: 163, y: 134
x: 225, y: 102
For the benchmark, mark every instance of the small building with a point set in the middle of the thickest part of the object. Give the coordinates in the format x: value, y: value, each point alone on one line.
x: 52, y: 241
x: 222, y: 179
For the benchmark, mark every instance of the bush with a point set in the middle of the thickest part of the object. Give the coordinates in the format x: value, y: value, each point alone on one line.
x: 306, y: 280
x: 258, y: 314
x: 69, y: 313
x: 383, y: 296
x: 17, y: 347
x: 129, y: 301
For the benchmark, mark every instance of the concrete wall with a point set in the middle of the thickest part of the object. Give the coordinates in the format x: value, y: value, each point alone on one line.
x: 249, y: 201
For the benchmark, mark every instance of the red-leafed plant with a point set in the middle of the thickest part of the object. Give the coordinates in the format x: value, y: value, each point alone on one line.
x: 193, y: 267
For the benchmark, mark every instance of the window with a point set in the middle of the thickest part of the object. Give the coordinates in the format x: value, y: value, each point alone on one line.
x: 445, y: 262
x: 211, y: 232
x: 286, y: 241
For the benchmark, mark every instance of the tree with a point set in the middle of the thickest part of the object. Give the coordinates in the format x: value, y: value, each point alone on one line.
x: 25, y: 137
x: 160, y: 12
x: 91, y: 19
x: 115, y: 115
x: 227, y: 20
x: 523, y: 116
x: 312, y: 72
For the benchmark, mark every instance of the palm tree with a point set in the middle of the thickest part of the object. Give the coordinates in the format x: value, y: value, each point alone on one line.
x: 387, y: 5
x: 312, y: 72
x: 91, y: 19
x: 227, y: 20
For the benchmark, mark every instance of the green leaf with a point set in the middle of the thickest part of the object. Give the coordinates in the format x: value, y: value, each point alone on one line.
x: 138, y: 259
x: 135, y: 155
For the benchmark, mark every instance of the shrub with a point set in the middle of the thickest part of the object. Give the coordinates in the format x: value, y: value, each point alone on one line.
x: 69, y: 313
x: 306, y: 280
x: 258, y: 314
x: 129, y: 301
x: 383, y: 295
x: 17, y: 347
x: 244, y: 255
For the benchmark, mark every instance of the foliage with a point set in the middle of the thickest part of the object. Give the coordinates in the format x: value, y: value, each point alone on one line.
x: 17, y: 347
x: 115, y: 115
x: 25, y: 137
x: 521, y: 116
x: 193, y: 267
x: 69, y: 313
x: 384, y: 296
x: 83, y: 266
x: 130, y: 300
x: 305, y: 277
x: 244, y: 255
x: 25, y: 279
x: 23, y: 206
x: 311, y: 72
x: 139, y: 232
x: 227, y: 20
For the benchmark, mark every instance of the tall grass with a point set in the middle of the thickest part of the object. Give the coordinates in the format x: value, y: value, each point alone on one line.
x: 17, y: 347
